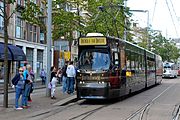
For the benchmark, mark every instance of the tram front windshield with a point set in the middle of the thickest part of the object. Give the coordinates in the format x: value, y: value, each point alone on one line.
x: 94, y: 60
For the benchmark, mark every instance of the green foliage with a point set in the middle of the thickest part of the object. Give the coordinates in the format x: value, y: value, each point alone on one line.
x: 165, y: 48
x: 107, y: 17
x: 31, y: 13
x: 65, y: 22
x: 10, y: 1
x: 143, y: 37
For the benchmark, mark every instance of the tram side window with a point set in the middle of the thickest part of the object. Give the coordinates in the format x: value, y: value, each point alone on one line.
x: 136, y: 62
x: 128, y: 60
x: 141, y: 62
x: 132, y: 61
x: 151, y: 64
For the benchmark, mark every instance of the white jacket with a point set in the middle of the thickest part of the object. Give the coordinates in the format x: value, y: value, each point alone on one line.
x: 70, y: 71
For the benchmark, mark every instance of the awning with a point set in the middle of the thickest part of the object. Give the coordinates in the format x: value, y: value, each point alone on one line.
x: 2, y: 52
x: 14, y: 53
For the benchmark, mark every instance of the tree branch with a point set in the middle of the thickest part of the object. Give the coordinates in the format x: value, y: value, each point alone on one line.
x: 1, y: 15
x: 1, y: 8
x: 16, y: 9
x: 11, y: 15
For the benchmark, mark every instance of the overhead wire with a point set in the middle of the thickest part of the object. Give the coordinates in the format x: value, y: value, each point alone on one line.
x: 175, y: 13
x: 172, y: 18
x: 173, y: 9
x: 154, y: 10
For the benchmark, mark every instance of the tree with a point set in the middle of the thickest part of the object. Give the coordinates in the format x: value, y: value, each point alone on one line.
x: 6, y: 17
x: 29, y: 11
x: 165, y: 48
x: 107, y: 17
x: 65, y: 21
x: 142, y: 36
x: 33, y: 14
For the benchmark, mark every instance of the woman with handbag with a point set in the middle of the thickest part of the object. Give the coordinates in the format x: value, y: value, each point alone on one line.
x: 19, y: 88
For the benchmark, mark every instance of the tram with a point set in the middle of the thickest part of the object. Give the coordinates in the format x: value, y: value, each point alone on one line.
x: 109, y: 67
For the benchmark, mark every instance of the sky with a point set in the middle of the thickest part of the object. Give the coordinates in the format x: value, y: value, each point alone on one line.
x: 164, y: 15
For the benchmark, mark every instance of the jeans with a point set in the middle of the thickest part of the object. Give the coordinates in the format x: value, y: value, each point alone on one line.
x: 70, y: 84
x: 53, y: 89
x: 64, y: 84
x: 19, y: 92
x: 43, y: 80
x: 26, y: 94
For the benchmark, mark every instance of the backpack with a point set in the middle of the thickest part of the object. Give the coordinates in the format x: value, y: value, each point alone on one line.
x: 15, y: 79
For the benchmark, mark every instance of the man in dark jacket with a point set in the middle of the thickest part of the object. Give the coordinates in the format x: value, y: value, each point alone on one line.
x: 64, y: 77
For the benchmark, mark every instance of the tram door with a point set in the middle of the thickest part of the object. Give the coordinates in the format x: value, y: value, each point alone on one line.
x: 115, y: 72
x: 123, y: 67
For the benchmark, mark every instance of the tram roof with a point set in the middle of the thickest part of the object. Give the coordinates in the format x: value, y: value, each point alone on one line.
x: 115, y: 38
x: 111, y: 37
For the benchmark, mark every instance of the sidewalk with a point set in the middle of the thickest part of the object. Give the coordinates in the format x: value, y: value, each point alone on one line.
x: 39, y: 104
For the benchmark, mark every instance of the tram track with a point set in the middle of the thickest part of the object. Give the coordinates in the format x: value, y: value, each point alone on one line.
x: 88, y: 113
x: 81, y: 116
x: 55, y: 110
x: 139, y: 114
x: 176, y: 112
x: 142, y: 113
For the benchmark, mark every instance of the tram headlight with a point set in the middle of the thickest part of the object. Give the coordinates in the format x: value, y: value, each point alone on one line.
x: 109, y: 84
x: 101, y: 82
x: 81, y: 82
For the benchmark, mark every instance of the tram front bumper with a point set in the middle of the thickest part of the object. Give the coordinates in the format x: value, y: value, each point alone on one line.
x: 93, y: 91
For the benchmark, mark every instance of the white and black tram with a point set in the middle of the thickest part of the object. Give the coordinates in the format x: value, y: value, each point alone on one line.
x: 109, y: 67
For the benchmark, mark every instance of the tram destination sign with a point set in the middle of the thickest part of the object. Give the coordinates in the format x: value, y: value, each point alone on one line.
x: 92, y: 41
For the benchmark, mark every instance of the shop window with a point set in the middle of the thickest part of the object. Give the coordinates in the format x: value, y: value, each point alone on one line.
x: 29, y: 56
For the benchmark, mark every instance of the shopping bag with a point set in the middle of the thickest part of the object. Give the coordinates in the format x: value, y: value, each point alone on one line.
x: 50, y: 85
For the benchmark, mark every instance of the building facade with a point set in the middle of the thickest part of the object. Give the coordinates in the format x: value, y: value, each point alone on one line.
x: 29, y: 37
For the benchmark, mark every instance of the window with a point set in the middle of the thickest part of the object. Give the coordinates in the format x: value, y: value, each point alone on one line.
x: 42, y: 37
x: 128, y: 59
x: 94, y: 59
x: 35, y: 34
x: 39, y: 61
x: 19, y: 2
x: 29, y: 56
x: 19, y: 28
x: 30, y: 32
x: 1, y: 18
x: 42, y: 7
x: 116, y: 58
x: 1, y: 70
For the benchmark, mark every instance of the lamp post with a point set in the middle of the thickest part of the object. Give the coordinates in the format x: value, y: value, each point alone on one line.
x: 49, y: 44
x: 145, y: 11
